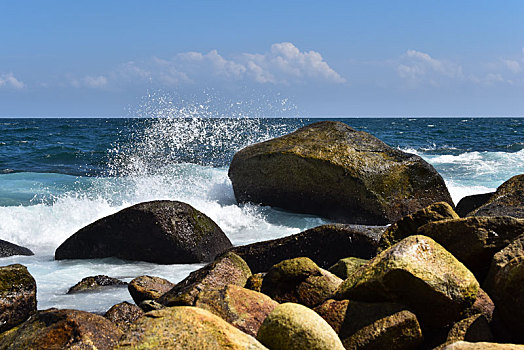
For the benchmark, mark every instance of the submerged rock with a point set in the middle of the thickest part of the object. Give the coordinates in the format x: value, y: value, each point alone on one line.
x: 229, y: 268
x: 292, y: 326
x: 419, y: 273
x: 299, y: 281
x: 148, y: 288
x: 93, y: 283
x: 474, y: 240
x: 163, y: 232
x: 17, y: 296
x: 62, y: 329
x: 325, y: 245
x: 123, y: 315
x: 469, y: 203
x: 329, y: 169
x: 185, y: 327
x: 10, y: 249
x: 243, y: 308
x: 508, y: 200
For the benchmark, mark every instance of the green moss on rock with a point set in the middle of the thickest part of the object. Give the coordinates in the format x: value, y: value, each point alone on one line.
x: 17, y: 295
x: 345, y: 267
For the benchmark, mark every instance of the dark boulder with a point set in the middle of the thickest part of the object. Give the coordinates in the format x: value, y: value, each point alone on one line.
x: 329, y: 169
x: 469, y: 203
x: 10, y: 249
x: 17, y: 296
x: 163, y: 232
x: 325, y: 245
x: 508, y: 200
x: 93, y: 283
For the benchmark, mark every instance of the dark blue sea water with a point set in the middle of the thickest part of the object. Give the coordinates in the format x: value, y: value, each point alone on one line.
x: 57, y: 175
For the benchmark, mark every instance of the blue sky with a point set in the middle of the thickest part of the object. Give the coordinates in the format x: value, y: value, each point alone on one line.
x: 329, y: 58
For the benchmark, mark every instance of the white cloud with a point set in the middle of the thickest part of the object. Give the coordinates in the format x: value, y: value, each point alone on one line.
x: 513, y: 66
x: 8, y: 80
x: 92, y: 82
x: 418, y: 66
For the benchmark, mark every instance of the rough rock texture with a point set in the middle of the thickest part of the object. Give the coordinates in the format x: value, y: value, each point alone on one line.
x: 148, y: 288
x: 469, y: 203
x: 333, y: 312
x: 300, y: 281
x: 123, y: 315
x: 17, y: 296
x: 229, y: 268
x: 10, y: 249
x: 409, y: 224
x: 472, y: 329
x: 325, y: 245
x: 345, y: 267
x: 243, y: 308
x: 185, y: 327
x: 163, y: 232
x: 92, y: 283
x: 419, y: 273
x: 292, y: 326
x: 150, y: 305
x: 462, y: 345
x: 254, y: 282
x: 504, y: 284
x: 474, y: 240
x: 329, y: 169
x: 508, y: 200
x: 483, y: 305
x: 63, y: 329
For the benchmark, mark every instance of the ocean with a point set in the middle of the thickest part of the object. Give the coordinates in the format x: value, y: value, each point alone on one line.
x: 58, y: 175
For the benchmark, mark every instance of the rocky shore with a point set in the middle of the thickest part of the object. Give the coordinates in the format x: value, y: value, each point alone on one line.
x: 401, y: 269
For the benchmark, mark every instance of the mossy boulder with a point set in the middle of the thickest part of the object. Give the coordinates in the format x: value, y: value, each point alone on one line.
x: 325, y: 245
x: 148, y: 288
x: 228, y: 268
x: 508, y: 200
x: 185, y: 327
x: 474, y: 240
x: 254, y: 282
x: 17, y: 295
x: 162, y: 232
x: 243, y: 308
x: 292, y: 326
x: 10, y: 249
x: 469, y: 203
x: 504, y: 284
x: 463, y: 345
x: 94, y: 283
x: 332, y: 170
x: 409, y: 224
x: 301, y: 281
x: 345, y: 267
x: 63, y: 329
x: 123, y: 315
x: 419, y: 273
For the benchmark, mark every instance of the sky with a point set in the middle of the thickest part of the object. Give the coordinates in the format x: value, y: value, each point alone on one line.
x: 324, y: 58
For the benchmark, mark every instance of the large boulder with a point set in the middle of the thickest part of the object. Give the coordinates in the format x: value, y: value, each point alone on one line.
x: 419, y: 273
x: 409, y: 224
x: 163, y: 232
x: 17, y: 295
x: 148, y: 288
x: 325, y: 245
x: 301, y: 281
x: 185, y: 327
x: 94, y: 283
x: 474, y: 240
x: 10, y: 249
x: 504, y: 284
x: 469, y: 203
x: 329, y: 169
x: 229, y: 268
x: 123, y: 315
x: 508, y: 200
x: 243, y: 308
x: 293, y: 326
x: 63, y: 329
